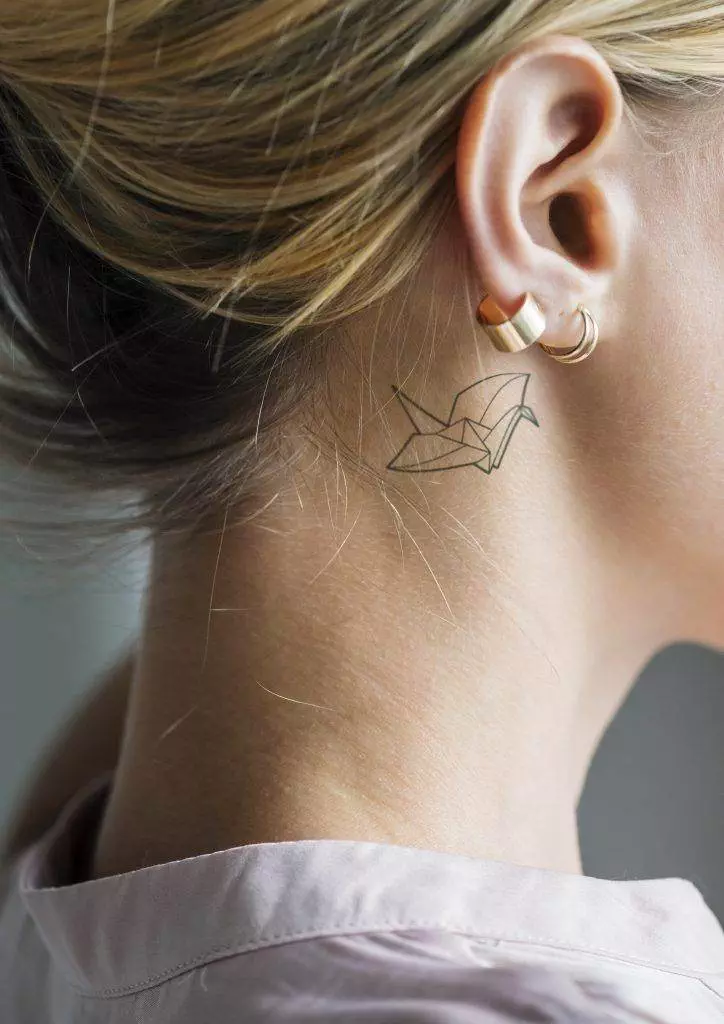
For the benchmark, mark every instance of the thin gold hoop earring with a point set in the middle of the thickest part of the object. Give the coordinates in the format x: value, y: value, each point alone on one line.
x: 516, y: 333
x: 585, y: 347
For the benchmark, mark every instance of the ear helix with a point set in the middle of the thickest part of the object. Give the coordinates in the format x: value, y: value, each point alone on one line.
x: 526, y: 327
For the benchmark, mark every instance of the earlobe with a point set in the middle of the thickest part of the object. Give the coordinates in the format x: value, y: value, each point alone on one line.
x: 535, y: 205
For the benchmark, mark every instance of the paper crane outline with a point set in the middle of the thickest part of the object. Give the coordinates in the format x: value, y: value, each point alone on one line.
x: 480, y: 440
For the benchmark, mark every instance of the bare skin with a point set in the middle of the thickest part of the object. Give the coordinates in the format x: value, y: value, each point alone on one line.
x: 430, y: 659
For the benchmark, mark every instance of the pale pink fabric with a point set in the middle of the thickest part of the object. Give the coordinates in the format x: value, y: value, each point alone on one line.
x: 315, y: 932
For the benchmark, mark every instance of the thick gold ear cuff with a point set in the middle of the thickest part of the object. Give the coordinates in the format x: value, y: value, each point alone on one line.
x: 527, y: 326
x: 516, y: 333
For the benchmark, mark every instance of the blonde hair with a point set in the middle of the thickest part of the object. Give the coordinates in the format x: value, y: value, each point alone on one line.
x: 193, y: 193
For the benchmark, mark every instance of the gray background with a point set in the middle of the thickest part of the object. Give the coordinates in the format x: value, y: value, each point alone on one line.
x: 654, y: 805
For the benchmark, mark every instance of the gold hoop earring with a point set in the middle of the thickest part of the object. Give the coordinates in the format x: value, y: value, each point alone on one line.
x: 516, y: 333
x: 585, y: 347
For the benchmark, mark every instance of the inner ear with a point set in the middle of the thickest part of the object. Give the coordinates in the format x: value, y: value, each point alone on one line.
x: 574, y: 122
x: 570, y: 216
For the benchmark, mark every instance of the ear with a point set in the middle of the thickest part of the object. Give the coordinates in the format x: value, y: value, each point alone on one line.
x: 537, y: 179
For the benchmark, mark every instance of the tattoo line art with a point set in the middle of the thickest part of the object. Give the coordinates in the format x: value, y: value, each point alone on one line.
x: 479, y: 429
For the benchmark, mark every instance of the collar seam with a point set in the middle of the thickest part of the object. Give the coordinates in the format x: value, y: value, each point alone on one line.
x: 242, y: 947
x: 714, y: 992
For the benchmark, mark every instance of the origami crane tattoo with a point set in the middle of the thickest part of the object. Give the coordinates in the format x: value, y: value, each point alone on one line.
x: 479, y: 429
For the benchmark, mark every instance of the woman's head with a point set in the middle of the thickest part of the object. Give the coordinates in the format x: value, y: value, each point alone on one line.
x: 218, y: 215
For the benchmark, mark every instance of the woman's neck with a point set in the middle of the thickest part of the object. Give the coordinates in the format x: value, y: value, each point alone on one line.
x: 348, y: 666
